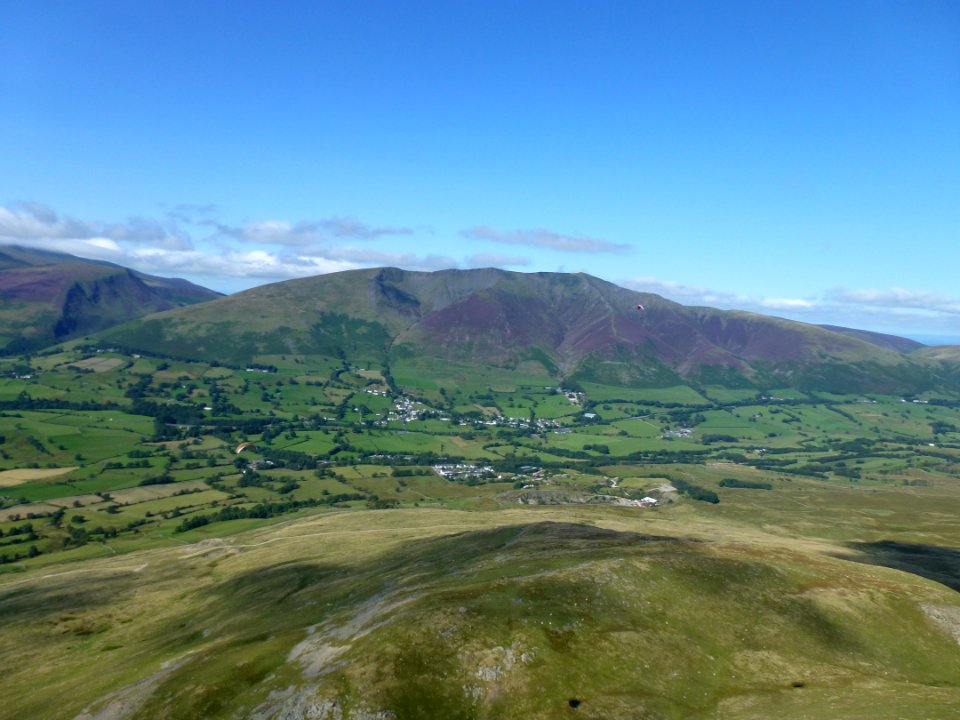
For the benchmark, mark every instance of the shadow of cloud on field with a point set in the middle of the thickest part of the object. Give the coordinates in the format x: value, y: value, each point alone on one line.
x: 941, y: 564
x: 64, y: 595
x: 543, y: 537
x: 295, y: 582
x: 298, y: 592
x: 276, y: 584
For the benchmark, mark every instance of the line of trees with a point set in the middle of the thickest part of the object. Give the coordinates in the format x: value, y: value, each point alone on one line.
x: 264, y: 510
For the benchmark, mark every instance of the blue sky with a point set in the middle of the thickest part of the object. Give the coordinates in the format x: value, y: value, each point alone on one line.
x: 800, y: 159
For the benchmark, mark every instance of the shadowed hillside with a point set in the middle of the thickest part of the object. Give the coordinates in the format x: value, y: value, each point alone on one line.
x: 49, y: 297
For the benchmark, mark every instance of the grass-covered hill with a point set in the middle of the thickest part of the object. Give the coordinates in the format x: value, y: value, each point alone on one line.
x: 48, y: 297
x: 944, y: 353
x: 576, y: 326
x: 521, y: 614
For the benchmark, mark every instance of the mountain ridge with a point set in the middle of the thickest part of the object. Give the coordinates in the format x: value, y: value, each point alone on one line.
x: 884, y: 340
x: 578, y: 326
x: 49, y: 297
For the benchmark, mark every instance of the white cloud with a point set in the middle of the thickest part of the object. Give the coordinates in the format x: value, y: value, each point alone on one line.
x: 787, y: 303
x: 162, y: 247
x: 104, y: 244
x: 230, y: 263
x: 33, y: 223
x: 93, y: 248
x: 545, y: 239
x: 897, y: 299
x: 689, y: 294
x: 276, y: 266
x: 409, y: 261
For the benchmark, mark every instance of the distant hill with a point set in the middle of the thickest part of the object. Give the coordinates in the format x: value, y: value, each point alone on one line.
x: 890, y: 342
x: 47, y: 297
x: 578, y: 327
x: 948, y: 353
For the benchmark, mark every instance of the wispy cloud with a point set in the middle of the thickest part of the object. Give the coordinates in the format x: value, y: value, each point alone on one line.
x: 689, y: 294
x: 893, y: 308
x: 545, y: 239
x: 345, y: 228
x: 192, y: 212
x: 494, y: 260
x: 272, y: 232
x: 284, y: 232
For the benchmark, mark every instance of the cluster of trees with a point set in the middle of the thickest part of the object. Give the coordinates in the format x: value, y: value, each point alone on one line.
x: 695, y: 491
x: 168, y: 413
x: 14, y: 557
x: 121, y: 466
x: 164, y: 479
x: 290, y: 459
x: 708, y: 438
x: 262, y: 367
x: 26, y: 530
x: 23, y: 401
x: 403, y: 472
x: 745, y: 484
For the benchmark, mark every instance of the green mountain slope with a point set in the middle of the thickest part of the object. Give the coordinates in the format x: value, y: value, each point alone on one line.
x: 49, y: 297
x: 577, y: 326
x: 948, y: 353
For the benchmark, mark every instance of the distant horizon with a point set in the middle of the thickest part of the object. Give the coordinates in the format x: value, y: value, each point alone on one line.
x: 935, y: 340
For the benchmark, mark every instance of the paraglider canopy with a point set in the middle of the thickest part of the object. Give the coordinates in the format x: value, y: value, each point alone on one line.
x: 245, y: 446
x: 639, y: 306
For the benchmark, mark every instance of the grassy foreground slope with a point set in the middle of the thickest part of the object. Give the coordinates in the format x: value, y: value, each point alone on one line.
x: 520, y: 613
